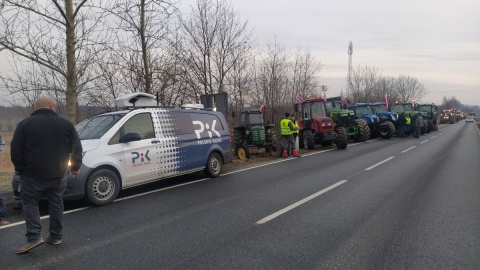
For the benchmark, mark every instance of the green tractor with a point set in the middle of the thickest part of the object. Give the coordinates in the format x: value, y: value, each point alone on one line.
x: 409, y: 108
x: 357, y: 129
x: 253, y: 133
x: 430, y: 114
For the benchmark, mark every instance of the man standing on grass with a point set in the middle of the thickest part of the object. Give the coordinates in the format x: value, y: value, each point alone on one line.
x: 41, y: 148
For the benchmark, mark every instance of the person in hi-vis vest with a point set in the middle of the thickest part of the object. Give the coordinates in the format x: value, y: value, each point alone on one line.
x: 295, y: 132
x: 286, y: 128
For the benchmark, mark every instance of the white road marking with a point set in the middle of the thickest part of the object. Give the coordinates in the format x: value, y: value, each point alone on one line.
x: 297, y: 204
x: 433, y: 137
x: 406, y: 150
x: 424, y: 141
x: 184, y: 184
x: 379, y: 163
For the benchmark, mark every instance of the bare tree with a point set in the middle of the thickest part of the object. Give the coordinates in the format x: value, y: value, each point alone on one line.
x: 272, y: 84
x: 142, y: 29
x: 362, y: 83
x: 45, y: 32
x: 305, y: 72
x: 385, y: 86
x: 409, y: 88
x: 214, y: 41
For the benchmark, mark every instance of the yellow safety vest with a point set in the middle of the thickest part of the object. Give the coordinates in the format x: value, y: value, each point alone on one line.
x: 295, y: 125
x: 408, y: 120
x: 284, y: 128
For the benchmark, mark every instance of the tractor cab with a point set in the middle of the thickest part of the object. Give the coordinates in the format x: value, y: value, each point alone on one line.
x: 254, y: 133
x: 357, y: 128
x: 316, y: 127
x: 251, y: 118
x: 430, y: 112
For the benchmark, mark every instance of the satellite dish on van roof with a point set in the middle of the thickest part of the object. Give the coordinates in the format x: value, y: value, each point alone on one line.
x: 136, y: 100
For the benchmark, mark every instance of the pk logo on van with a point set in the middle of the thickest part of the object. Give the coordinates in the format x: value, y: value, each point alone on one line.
x: 209, y: 129
x: 142, y: 157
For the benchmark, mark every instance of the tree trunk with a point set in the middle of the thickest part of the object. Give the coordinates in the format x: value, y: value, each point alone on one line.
x: 71, y: 95
x: 146, y: 64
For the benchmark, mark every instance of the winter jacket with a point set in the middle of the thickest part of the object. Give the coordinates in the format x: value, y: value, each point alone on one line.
x: 419, y: 121
x: 43, y: 144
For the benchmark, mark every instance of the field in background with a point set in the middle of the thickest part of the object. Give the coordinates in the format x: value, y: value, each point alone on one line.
x: 6, y: 166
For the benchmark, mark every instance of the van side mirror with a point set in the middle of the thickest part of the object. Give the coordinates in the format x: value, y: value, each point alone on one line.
x: 130, y: 137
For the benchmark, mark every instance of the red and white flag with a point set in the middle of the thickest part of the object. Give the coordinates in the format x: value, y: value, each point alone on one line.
x: 298, y: 100
x: 342, y: 97
x: 263, y: 108
x: 386, y: 101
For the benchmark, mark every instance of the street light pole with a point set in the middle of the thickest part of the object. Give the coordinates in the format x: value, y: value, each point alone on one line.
x: 324, y: 90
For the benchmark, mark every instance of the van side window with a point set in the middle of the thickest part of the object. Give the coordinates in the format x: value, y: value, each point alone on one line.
x: 140, y: 123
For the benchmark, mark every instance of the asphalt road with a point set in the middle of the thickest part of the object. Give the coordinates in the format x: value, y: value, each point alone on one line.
x: 384, y: 204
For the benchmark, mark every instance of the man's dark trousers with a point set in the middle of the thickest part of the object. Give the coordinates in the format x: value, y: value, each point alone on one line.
x: 52, y: 190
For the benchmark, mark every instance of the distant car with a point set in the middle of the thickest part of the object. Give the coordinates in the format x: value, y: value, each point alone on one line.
x: 470, y: 117
x: 3, y: 144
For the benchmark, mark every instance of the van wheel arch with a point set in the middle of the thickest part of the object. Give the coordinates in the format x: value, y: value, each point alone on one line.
x: 214, y: 164
x: 102, y: 186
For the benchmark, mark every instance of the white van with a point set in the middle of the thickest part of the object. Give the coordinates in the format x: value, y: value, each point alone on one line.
x: 127, y: 148
x: 470, y: 117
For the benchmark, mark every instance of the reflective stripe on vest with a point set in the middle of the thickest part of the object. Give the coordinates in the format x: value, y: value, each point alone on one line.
x: 284, y: 128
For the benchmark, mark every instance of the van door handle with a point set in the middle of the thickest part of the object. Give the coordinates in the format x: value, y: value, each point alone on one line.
x: 155, y: 141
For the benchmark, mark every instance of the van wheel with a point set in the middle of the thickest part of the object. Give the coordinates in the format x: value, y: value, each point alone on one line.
x: 102, y: 187
x: 214, y: 165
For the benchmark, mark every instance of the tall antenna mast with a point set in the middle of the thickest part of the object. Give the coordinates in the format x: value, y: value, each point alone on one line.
x: 350, y: 52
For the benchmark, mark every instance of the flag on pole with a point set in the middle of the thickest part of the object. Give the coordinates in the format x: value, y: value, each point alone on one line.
x: 386, y: 101
x: 344, y: 100
x: 298, y: 100
x: 263, y: 108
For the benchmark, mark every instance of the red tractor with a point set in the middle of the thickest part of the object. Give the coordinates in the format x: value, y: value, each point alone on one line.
x: 316, y: 127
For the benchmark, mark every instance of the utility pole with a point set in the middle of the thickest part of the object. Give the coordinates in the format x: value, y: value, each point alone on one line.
x: 350, y: 52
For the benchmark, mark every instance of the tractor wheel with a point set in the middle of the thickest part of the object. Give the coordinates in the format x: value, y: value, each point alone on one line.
x: 342, y: 138
x: 238, y: 136
x: 301, y: 143
x: 242, y: 151
x: 391, y: 131
x: 429, y: 126
x: 309, y: 139
x: 424, y: 128
x: 363, y: 130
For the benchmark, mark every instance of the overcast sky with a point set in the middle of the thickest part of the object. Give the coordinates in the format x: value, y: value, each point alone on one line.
x: 435, y: 41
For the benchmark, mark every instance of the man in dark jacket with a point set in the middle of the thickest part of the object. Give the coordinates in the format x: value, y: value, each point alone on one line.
x: 41, y: 149
x: 402, y: 124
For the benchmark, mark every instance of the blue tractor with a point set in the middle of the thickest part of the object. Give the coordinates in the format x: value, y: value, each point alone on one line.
x: 378, y: 126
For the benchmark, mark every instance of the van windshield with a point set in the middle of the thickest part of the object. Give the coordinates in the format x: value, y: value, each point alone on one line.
x: 95, y: 127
